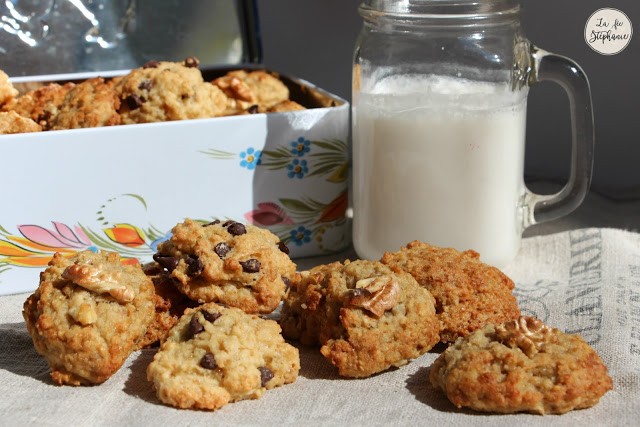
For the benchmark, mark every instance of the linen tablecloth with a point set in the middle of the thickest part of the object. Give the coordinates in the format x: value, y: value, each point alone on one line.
x: 584, y: 281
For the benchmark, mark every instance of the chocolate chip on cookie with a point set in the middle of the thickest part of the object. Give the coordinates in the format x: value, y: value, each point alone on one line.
x: 208, y: 361
x: 250, y: 265
x: 210, y: 316
x: 195, y: 266
x: 221, y: 249
x: 168, y: 262
x: 134, y: 101
x: 195, y: 327
x: 236, y: 229
x: 266, y: 375
x: 283, y: 247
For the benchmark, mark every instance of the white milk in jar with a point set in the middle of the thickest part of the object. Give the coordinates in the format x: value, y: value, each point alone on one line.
x: 439, y: 159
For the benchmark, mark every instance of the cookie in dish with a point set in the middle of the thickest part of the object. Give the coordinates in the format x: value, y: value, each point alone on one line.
x: 165, y: 91
x: 12, y: 122
x: 92, y: 103
x: 40, y: 104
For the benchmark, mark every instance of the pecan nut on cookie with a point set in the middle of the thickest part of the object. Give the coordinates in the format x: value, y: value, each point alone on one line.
x: 228, y: 262
x: 87, y: 315
x: 253, y: 91
x: 521, y: 366
x: 469, y: 294
x: 216, y: 355
x: 366, y: 317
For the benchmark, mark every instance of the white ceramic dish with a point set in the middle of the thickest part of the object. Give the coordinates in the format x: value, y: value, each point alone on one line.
x: 123, y: 188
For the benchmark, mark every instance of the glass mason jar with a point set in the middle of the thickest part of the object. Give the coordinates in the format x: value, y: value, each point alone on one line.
x: 439, y: 114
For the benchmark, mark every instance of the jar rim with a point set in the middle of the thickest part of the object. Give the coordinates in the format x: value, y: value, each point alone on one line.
x: 477, y: 10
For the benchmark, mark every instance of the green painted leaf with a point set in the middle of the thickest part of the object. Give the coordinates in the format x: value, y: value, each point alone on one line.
x: 296, y: 205
x: 219, y: 154
x: 322, y: 170
x: 340, y: 174
x: 138, y: 198
x: 331, y: 145
x: 273, y: 165
x: 280, y: 153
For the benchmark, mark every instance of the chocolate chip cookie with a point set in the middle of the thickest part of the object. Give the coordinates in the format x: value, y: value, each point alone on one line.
x: 87, y: 315
x: 216, y: 355
x: 366, y: 317
x: 164, y: 91
x: 228, y: 262
x: 469, y: 294
x: 521, y: 366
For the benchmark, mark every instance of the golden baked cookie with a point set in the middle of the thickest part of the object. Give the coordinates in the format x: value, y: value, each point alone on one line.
x: 469, y: 294
x: 170, y: 304
x: 284, y: 106
x: 7, y: 91
x: 87, y: 315
x: 242, y: 266
x: 216, y: 355
x: 92, y: 103
x: 521, y: 366
x: 253, y: 89
x: 40, y: 104
x: 164, y: 91
x: 366, y: 317
x: 12, y: 122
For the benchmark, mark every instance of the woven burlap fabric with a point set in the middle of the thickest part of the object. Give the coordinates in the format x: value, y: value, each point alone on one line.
x: 583, y: 281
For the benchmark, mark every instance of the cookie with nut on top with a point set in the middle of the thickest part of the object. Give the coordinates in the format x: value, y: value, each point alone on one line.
x: 88, y: 314
x: 216, y: 355
x: 521, y: 365
x: 366, y: 317
x: 228, y: 262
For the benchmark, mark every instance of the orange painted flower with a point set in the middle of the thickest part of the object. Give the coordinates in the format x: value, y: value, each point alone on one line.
x: 126, y: 234
x: 336, y: 209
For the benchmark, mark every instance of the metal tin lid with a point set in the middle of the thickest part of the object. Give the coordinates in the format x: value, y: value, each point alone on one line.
x: 68, y: 36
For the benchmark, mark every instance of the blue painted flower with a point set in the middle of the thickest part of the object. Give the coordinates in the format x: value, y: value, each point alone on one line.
x: 155, y: 243
x: 300, y: 146
x: 297, y: 168
x: 250, y: 158
x: 300, y: 235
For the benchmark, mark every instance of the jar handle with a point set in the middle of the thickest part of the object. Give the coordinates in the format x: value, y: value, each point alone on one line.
x: 565, y: 72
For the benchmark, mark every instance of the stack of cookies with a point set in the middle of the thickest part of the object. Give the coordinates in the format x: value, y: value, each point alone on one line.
x: 155, y: 92
x: 202, y: 297
x: 200, y: 300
